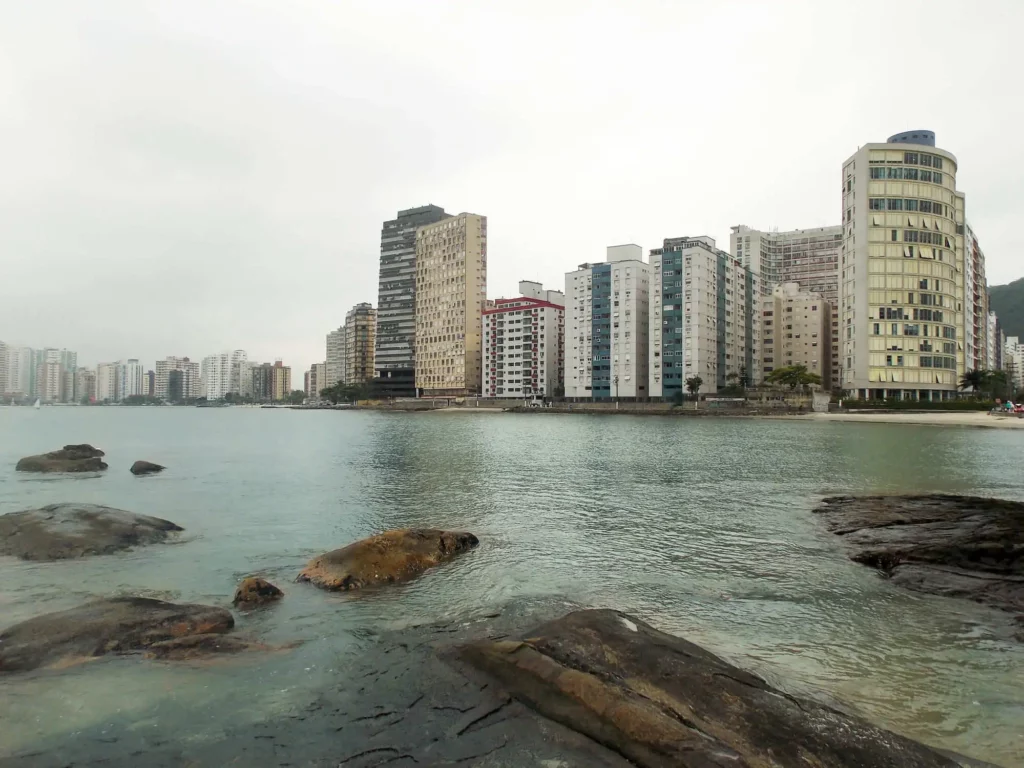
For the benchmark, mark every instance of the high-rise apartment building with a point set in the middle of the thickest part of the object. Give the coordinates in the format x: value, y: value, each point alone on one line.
x: 606, y: 326
x: 808, y: 257
x: 360, y: 331
x: 263, y: 382
x: 993, y: 347
x: 186, y: 385
x: 20, y: 371
x: 451, y: 290
x: 130, y: 379
x: 4, y: 364
x: 1013, y: 361
x: 106, y: 383
x: 524, y: 344
x: 85, y: 385
x: 280, y: 381
x: 795, y: 330
x: 315, y: 380
x: 975, y: 303
x: 336, y: 359
x: 222, y: 374
x: 704, y: 318
x: 902, y: 290
x: 395, y: 336
x: 49, y: 375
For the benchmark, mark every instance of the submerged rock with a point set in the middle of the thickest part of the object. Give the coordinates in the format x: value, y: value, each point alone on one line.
x: 71, y: 458
x: 145, y: 468
x: 389, y: 557
x: 200, y: 646
x: 957, y: 546
x: 661, y: 701
x: 63, y: 531
x: 112, y: 626
x: 253, y: 591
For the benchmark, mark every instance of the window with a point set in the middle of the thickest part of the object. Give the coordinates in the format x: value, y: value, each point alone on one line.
x: 909, y: 158
x: 876, y: 203
x: 894, y: 233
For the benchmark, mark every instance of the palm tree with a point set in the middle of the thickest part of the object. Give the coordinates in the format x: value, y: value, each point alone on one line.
x: 693, y: 385
x: 974, y: 380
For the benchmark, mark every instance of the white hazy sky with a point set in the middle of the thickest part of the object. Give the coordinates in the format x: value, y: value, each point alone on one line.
x: 191, y: 176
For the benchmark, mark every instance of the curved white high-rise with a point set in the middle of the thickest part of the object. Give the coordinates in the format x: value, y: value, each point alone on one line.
x: 901, y: 272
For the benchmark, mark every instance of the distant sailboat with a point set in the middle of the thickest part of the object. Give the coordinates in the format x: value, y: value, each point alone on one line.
x: 37, y: 403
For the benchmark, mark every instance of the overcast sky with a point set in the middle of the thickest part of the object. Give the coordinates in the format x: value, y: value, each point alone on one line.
x: 192, y: 176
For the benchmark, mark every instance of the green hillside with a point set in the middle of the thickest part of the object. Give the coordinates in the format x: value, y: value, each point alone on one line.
x: 1008, y: 303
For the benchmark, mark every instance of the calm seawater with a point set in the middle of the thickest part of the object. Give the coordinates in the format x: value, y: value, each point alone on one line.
x: 702, y: 527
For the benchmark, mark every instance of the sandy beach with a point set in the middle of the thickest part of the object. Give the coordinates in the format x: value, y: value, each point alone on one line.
x: 958, y: 419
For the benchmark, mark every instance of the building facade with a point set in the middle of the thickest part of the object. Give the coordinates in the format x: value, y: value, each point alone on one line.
x: 975, y: 303
x: 902, y: 292
x: 703, y: 320
x: 280, y: 381
x: 395, y: 334
x: 187, y: 383
x: 106, y: 383
x: 993, y: 348
x: 796, y: 330
x: 808, y: 257
x: 451, y: 291
x: 315, y: 380
x: 336, y: 358
x: 20, y: 371
x: 1013, y: 361
x: 130, y: 379
x: 221, y: 374
x: 4, y: 364
x: 523, y: 342
x: 606, y: 326
x: 85, y: 385
x: 360, y: 331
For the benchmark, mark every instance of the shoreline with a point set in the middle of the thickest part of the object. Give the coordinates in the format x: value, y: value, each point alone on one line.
x: 971, y: 419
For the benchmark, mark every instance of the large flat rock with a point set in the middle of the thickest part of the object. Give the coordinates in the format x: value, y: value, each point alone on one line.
x: 64, y: 531
x: 392, y: 556
x: 110, y: 626
x: 71, y: 458
x: 660, y: 701
x: 957, y: 546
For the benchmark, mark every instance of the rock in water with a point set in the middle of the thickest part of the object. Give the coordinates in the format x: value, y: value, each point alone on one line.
x: 253, y: 591
x: 116, y: 625
x: 146, y: 468
x: 388, y: 557
x: 661, y: 701
x: 63, y: 531
x: 71, y: 458
x: 957, y: 546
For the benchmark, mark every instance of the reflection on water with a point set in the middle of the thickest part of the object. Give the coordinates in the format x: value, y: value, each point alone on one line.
x: 702, y: 527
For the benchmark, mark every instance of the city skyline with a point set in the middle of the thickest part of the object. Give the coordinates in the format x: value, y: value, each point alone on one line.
x: 186, y: 212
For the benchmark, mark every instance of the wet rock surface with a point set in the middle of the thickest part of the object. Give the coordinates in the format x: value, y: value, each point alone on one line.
x: 408, y: 699
x: 201, y: 646
x: 71, y: 458
x: 388, y: 557
x: 254, y: 591
x: 957, y: 546
x: 111, y: 626
x: 64, y: 531
x: 659, y: 700
x: 146, y: 468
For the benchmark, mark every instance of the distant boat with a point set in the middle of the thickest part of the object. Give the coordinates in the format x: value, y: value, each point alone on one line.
x: 37, y: 403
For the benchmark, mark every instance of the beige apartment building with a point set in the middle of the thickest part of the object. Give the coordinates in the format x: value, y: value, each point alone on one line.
x: 796, y: 330
x: 360, y: 333
x: 451, y: 290
x: 902, y: 273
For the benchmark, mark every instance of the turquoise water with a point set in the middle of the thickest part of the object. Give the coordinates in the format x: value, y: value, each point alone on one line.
x: 701, y: 526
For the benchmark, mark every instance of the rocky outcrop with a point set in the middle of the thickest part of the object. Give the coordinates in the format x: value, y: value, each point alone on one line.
x: 63, y: 531
x: 145, y: 468
x: 391, y: 556
x: 112, y: 626
x: 254, y: 591
x: 957, y: 546
x: 71, y: 458
x: 200, y: 647
x: 661, y: 701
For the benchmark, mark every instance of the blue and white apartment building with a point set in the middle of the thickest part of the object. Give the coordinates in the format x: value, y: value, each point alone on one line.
x: 607, y: 325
